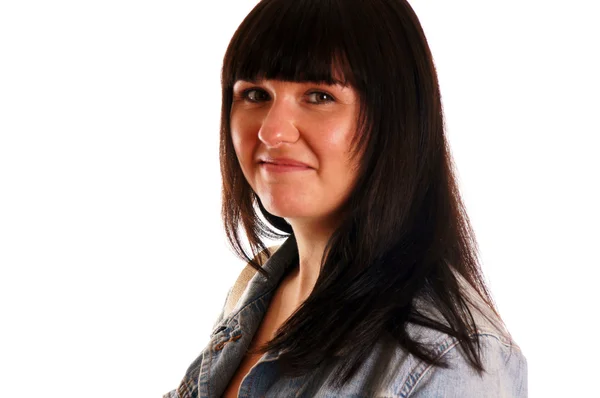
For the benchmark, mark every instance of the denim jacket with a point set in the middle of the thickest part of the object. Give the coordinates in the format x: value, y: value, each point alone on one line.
x: 389, y: 371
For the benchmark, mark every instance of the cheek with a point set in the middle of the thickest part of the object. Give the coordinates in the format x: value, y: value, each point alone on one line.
x: 237, y: 142
x: 240, y: 137
x: 245, y: 143
x: 335, y: 140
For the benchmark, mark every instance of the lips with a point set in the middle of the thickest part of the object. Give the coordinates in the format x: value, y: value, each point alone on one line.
x: 284, y: 162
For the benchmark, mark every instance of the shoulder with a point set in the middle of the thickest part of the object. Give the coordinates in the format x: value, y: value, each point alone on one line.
x: 505, y: 371
x: 242, y: 281
x: 505, y: 366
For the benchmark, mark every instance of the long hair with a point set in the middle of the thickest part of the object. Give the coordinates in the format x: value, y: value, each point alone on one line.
x: 404, y: 231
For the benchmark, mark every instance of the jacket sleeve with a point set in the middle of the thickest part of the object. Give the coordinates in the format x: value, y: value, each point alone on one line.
x: 505, y: 373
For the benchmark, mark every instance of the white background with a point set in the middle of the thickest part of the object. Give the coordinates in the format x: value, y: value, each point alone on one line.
x: 113, y: 260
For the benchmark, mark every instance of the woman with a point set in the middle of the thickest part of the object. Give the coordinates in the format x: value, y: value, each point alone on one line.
x: 332, y: 131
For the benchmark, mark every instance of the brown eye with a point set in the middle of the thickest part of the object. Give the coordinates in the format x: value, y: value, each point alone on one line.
x: 319, y: 97
x: 255, y: 95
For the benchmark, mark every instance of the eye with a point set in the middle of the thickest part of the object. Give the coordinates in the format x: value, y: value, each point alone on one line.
x: 255, y: 95
x: 320, y: 97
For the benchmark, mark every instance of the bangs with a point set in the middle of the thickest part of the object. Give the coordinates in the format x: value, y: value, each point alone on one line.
x: 300, y: 41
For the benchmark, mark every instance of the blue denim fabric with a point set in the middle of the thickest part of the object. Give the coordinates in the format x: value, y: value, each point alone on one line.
x: 388, y: 372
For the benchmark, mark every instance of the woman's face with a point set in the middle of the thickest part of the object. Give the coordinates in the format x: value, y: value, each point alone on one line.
x: 306, y: 122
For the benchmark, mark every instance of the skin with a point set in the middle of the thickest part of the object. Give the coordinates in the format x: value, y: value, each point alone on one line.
x: 311, y: 123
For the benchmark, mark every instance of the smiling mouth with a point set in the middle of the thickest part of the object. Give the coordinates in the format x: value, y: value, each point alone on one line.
x: 279, y: 168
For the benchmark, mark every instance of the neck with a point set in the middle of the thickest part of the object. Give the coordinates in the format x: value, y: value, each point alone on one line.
x: 311, y: 242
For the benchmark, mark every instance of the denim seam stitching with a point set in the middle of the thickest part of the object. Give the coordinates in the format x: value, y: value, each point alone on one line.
x: 445, y: 351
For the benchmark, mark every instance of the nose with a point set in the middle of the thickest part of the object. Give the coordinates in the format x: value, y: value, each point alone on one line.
x: 278, y: 126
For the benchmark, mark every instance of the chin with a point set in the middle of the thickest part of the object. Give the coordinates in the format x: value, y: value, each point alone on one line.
x: 287, y: 213
x: 289, y: 205
x: 288, y: 210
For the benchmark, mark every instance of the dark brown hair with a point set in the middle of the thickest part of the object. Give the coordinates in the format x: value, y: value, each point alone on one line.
x: 405, y: 231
